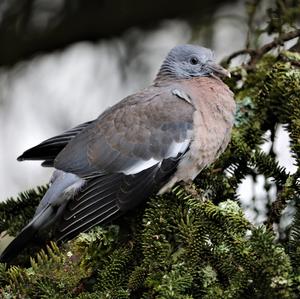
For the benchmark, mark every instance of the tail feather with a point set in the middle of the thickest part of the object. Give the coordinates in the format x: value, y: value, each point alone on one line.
x: 17, y: 244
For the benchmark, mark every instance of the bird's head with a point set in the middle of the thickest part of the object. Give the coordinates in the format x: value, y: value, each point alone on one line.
x: 188, y: 61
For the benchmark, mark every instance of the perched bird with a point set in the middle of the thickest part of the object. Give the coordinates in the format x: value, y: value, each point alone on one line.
x: 143, y: 145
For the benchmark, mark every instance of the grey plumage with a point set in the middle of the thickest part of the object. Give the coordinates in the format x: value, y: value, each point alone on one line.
x: 143, y: 145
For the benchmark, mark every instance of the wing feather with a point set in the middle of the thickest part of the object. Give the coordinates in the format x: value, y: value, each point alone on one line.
x: 105, y: 197
x: 49, y: 149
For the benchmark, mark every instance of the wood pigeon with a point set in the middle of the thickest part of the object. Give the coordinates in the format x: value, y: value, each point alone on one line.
x: 163, y: 134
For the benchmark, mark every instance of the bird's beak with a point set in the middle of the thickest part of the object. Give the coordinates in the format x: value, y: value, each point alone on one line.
x: 218, y: 70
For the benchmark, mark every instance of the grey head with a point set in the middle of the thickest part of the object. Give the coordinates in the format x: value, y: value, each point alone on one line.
x: 188, y: 61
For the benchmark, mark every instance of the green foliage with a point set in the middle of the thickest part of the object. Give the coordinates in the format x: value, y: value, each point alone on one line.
x: 194, y: 242
x: 15, y: 213
x: 56, y: 273
x: 189, y: 248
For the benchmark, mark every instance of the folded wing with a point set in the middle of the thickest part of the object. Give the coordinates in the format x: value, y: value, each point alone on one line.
x: 124, y: 156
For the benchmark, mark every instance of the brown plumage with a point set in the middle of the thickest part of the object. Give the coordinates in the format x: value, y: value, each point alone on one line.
x: 146, y: 143
x: 212, y: 122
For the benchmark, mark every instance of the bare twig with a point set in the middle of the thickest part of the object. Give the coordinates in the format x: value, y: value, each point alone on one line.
x: 273, y: 44
x: 256, y: 54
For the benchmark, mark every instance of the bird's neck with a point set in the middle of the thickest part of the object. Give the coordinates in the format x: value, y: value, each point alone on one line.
x: 164, y: 77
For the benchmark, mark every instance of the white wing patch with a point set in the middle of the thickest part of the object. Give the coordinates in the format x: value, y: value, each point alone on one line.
x: 140, y: 166
x: 174, y: 149
x: 177, y: 147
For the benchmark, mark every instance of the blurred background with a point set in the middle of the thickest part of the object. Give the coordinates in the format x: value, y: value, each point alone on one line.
x: 62, y: 62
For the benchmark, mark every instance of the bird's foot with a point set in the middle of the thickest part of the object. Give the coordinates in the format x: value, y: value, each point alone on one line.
x: 191, y: 189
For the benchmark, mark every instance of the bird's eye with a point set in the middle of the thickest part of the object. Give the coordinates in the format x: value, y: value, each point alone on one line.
x: 194, y: 60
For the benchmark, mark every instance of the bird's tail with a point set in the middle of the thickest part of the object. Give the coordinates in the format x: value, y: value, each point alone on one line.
x: 17, y: 244
x: 28, y: 233
x: 63, y: 187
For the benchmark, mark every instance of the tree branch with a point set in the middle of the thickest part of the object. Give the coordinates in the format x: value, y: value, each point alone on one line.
x: 256, y: 54
x: 276, y: 42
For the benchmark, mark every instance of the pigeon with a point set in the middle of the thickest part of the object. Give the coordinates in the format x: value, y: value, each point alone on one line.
x: 142, y: 146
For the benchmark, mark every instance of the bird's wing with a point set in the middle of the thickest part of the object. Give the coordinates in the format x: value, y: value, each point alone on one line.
x: 107, y: 196
x: 128, y: 154
x: 50, y: 148
x: 138, y: 133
